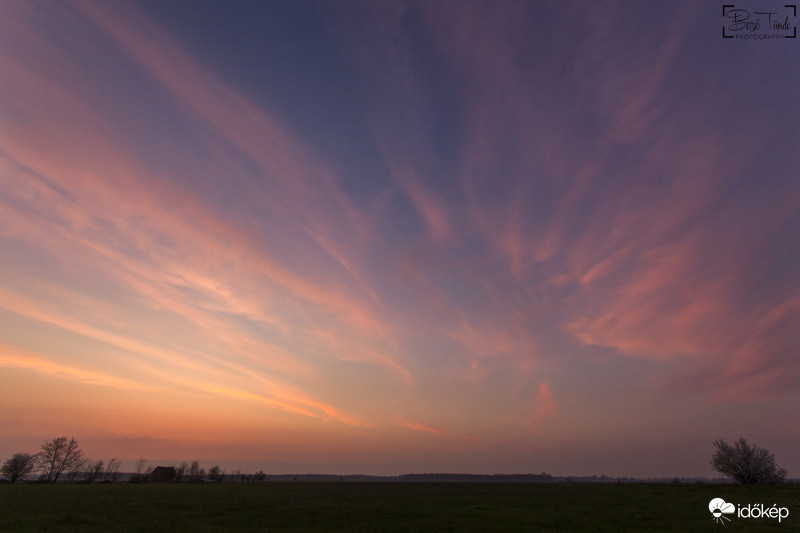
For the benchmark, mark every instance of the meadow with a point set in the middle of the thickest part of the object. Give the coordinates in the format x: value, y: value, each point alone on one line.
x: 372, y: 506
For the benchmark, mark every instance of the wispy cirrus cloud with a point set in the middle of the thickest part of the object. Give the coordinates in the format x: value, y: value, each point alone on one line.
x: 159, y: 244
x: 611, y: 217
x: 13, y: 357
x: 409, y: 424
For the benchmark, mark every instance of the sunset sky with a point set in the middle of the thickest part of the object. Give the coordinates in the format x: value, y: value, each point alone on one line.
x: 384, y: 237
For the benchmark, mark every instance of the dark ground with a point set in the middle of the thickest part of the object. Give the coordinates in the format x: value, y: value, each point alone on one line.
x: 368, y: 506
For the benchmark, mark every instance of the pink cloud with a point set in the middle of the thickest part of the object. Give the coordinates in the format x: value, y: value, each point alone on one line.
x: 417, y: 426
x: 544, y: 407
x: 148, y: 212
x: 14, y: 357
x: 433, y: 212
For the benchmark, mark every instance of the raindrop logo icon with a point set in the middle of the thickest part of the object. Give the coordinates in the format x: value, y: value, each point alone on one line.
x: 719, y: 508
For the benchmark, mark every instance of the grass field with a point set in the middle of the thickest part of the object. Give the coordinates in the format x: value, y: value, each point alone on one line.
x: 354, y: 506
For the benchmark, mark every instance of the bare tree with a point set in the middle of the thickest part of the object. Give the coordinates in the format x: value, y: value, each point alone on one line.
x: 94, y: 471
x: 111, y: 472
x: 195, y: 472
x: 260, y: 476
x: 140, y: 470
x: 20, y: 465
x: 216, y: 474
x: 745, y: 463
x: 75, y: 470
x: 181, y: 470
x: 58, y: 456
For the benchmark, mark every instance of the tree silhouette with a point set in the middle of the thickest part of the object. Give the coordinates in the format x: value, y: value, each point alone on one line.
x: 18, y: 466
x: 140, y: 470
x: 216, y: 474
x: 745, y: 463
x: 111, y: 472
x: 57, y: 456
x: 95, y: 470
x: 196, y: 473
x: 180, y: 471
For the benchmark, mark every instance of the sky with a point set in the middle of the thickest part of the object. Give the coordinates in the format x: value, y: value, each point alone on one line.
x: 389, y: 237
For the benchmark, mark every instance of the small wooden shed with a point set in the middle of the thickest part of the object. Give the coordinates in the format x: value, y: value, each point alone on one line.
x: 163, y: 474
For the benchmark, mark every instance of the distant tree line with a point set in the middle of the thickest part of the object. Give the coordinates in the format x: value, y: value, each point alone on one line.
x: 62, y: 460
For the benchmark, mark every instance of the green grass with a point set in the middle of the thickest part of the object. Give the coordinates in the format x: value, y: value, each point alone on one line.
x: 354, y: 506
